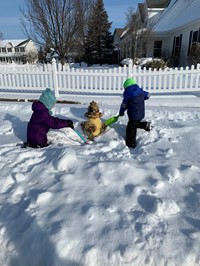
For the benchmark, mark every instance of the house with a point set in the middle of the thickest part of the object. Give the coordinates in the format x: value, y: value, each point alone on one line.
x: 19, y: 51
x: 147, y: 13
x: 175, y: 26
x: 116, y: 40
x: 177, y: 31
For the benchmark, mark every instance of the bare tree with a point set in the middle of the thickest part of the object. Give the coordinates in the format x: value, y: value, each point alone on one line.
x: 54, y: 23
x: 138, y: 33
x: 132, y: 26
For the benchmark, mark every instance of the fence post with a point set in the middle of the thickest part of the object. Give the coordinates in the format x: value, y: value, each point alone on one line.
x: 55, y: 78
x: 130, y: 69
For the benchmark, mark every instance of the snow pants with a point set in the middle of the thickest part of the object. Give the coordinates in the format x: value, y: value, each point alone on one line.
x: 131, y: 131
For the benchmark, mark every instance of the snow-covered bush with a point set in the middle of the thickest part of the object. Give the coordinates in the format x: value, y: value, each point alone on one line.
x: 126, y: 62
x: 156, y: 63
x: 143, y: 61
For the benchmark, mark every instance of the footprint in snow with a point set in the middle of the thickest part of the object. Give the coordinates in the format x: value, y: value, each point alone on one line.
x: 196, y: 188
x: 158, y: 206
x: 128, y: 189
x: 170, y: 173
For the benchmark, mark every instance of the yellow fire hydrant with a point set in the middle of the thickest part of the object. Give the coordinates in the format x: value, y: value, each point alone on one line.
x: 93, y: 126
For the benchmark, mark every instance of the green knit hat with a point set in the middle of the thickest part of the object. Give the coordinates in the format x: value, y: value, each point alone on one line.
x: 129, y: 82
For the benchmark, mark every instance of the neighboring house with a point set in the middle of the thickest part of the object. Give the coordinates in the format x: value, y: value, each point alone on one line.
x: 116, y: 40
x: 175, y: 28
x: 177, y: 31
x: 147, y: 13
x: 19, y: 51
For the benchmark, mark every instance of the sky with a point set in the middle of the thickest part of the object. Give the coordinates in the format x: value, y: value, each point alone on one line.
x: 10, y: 15
x: 102, y: 203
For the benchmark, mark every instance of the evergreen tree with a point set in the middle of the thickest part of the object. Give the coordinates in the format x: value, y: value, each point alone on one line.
x: 99, y: 47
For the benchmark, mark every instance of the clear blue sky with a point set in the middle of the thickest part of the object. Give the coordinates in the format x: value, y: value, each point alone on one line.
x: 10, y: 15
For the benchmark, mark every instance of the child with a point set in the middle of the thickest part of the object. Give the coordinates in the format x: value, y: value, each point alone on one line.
x: 42, y: 120
x: 133, y: 102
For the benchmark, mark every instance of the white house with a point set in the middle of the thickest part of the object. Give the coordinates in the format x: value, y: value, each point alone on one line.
x: 116, y: 41
x: 175, y: 29
x: 147, y: 13
x: 19, y: 51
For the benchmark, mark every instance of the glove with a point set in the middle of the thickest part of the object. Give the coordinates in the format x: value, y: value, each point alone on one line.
x: 70, y: 123
x: 121, y: 114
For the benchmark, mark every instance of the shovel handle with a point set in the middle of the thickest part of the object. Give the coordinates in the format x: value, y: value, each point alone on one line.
x: 111, y: 120
x: 81, y: 136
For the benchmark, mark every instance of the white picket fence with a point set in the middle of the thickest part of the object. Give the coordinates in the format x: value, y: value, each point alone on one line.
x: 93, y: 80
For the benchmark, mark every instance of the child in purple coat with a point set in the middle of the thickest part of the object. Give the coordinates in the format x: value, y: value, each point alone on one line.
x: 42, y: 120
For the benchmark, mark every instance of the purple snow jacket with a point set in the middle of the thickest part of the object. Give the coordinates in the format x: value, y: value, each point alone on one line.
x: 40, y: 123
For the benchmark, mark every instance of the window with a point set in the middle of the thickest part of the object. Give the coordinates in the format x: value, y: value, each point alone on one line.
x: 3, y: 50
x: 157, y: 49
x: 22, y: 50
x: 194, y: 40
x: 17, y: 50
x: 177, y: 46
x: 9, y: 50
x: 195, y: 37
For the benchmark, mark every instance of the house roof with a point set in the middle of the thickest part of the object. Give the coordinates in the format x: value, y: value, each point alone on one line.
x: 23, y: 43
x: 178, y: 14
x: 15, y: 43
x: 119, y: 31
x: 157, y: 3
x: 125, y: 31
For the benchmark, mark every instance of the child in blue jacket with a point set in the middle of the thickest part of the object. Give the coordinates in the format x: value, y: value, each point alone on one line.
x: 133, y: 102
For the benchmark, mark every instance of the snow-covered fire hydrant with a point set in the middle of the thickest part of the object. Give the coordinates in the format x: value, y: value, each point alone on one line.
x: 93, y: 126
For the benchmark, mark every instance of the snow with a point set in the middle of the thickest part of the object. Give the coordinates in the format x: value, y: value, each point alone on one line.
x: 102, y: 204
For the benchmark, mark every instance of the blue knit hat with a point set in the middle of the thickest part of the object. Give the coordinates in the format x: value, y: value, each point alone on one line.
x: 129, y: 82
x: 48, y: 98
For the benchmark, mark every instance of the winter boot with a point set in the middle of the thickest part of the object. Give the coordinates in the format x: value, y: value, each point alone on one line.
x: 148, y: 126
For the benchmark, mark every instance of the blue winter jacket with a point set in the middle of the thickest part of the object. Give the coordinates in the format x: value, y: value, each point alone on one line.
x: 133, y: 102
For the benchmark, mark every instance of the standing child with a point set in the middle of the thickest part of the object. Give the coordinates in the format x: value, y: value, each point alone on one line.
x: 133, y: 102
x: 42, y: 120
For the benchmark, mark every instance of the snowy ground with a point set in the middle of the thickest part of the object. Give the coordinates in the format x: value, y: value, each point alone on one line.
x: 101, y: 204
